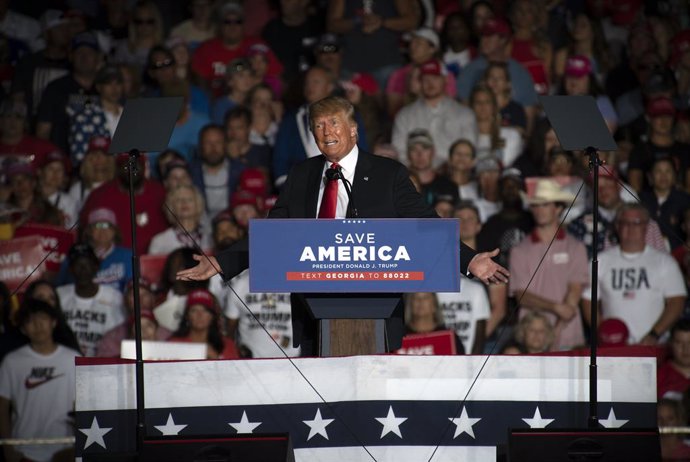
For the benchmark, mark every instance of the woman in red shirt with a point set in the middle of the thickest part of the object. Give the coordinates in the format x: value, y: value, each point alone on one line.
x: 530, y: 46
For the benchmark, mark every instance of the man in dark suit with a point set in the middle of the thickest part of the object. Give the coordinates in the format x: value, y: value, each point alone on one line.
x: 381, y: 188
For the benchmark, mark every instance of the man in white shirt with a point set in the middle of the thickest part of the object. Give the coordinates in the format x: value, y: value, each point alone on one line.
x: 37, y: 386
x: 91, y: 309
x: 638, y: 284
x: 444, y: 118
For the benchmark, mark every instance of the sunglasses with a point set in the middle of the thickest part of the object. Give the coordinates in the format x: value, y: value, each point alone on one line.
x: 233, y: 22
x: 162, y: 64
x: 147, y: 22
x: 329, y: 49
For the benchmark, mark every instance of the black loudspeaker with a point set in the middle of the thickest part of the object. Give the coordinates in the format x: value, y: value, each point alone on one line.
x: 234, y: 448
x: 581, y: 445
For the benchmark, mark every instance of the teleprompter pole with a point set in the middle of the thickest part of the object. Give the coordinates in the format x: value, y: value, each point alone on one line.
x: 133, y: 168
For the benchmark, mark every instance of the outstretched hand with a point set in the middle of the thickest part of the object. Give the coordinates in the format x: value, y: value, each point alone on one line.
x: 486, y: 270
x: 207, y: 267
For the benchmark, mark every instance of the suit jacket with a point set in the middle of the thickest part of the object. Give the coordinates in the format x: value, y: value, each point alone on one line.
x: 381, y: 189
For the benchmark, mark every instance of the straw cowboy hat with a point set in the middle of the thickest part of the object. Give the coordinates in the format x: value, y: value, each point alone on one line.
x: 548, y: 190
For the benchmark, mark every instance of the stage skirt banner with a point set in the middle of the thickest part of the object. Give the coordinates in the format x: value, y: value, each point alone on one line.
x: 354, y: 255
x: 385, y: 408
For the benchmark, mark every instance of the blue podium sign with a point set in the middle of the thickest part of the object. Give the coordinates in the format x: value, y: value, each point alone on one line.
x: 354, y: 255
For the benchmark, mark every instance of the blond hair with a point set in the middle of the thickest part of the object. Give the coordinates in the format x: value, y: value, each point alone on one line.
x: 530, y: 317
x: 172, y: 195
x: 409, y: 300
x: 331, y: 105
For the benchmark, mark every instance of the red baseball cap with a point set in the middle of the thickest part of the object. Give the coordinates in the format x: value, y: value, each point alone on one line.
x: 204, y: 298
x: 56, y: 156
x: 366, y: 83
x: 432, y: 67
x: 496, y: 26
x: 242, y: 197
x: 578, y: 66
x: 99, y: 143
x: 613, y: 333
x: 254, y: 181
x: 660, y: 106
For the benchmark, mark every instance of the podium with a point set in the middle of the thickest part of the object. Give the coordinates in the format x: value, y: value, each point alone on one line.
x: 348, y: 275
x: 353, y: 324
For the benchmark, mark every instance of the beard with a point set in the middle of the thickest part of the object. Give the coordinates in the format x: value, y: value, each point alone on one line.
x: 214, y: 161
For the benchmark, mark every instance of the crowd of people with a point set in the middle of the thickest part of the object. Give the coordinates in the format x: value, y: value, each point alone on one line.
x: 448, y: 88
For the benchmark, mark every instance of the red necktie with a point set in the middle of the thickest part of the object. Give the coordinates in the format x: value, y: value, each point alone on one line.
x: 329, y: 201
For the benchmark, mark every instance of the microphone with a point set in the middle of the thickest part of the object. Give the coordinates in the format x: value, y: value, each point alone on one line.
x: 333, y: 174
x: 336, y: 173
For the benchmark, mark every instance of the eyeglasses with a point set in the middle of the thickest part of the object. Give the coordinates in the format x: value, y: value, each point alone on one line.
x: 147, y: 22
x: 101, y: 225
x: 162, y: 64
x: 233, y: 22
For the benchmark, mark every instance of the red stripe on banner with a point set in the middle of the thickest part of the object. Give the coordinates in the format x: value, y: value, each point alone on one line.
x: 354, y: 275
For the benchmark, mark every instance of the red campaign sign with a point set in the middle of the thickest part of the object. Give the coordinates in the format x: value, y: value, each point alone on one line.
x: 441, y: 342
x: 152, y: 268
x: 18, y: 258
x: 51, y: 236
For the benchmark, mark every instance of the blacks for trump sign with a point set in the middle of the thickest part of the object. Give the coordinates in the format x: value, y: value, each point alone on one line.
x: 354, y: 255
